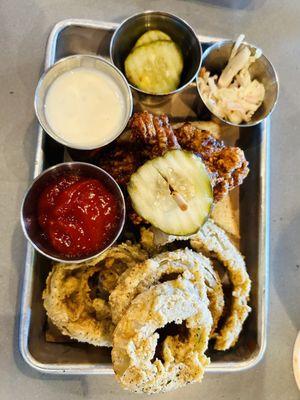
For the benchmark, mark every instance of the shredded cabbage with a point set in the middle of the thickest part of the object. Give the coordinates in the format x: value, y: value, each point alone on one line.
x: 233, y: 96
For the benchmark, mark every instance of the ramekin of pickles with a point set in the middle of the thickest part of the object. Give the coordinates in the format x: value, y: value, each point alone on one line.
x: 158, y: 52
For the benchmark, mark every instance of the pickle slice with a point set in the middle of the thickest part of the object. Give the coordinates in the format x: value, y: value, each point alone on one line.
x: 151, y: 36
x: 155, y: 67
x: 173, y: 192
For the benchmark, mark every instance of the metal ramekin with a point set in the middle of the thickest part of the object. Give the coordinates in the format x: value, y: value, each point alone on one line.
x: 29, y: 217
x: 216, y: 57
x: 126, y: 35
x: 67, y: 64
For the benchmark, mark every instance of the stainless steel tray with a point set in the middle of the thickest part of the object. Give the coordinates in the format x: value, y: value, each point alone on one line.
x: 92, y: 37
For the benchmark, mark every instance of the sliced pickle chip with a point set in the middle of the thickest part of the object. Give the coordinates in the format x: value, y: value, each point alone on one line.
x: 173, y: 192
x: 155, y: 67
x: 151, y: 36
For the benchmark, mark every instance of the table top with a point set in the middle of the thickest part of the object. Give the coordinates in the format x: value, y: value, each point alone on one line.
x: 271, y: 24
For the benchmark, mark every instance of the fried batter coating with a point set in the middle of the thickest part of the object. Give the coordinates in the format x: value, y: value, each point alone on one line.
x: 142, y: 276
x: 215, y: 294
x: 213, y: 239
x: 121, y: 161
x: 184, y: 262
x: 115, y: 261
x: 76, y: 295
x: 135, y: 339
x: 154, y: 133
x: 227, y: 165
x: 69, y: 305
x: 151, y: 136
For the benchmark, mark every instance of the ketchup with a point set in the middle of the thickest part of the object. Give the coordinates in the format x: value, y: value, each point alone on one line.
x: 78, y: 216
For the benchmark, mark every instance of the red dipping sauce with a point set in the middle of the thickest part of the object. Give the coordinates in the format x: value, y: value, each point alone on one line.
x: 79, y: 216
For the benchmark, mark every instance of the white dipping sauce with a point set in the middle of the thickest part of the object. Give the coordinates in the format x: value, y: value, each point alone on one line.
x: 85, y: 107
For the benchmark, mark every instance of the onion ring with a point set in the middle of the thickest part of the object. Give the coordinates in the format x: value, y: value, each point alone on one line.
x: 191, y: 265
x: 70, y: 302
x: 214, y: 240
x: 135, y: 339
x: 142, y: 276
x: 116, y: 260
x: 214, y: 293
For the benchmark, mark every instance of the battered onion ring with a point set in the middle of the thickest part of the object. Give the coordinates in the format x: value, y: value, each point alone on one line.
x: 215, y: 295
x: 135, y: 339
x: 142, y: 276
x: 116, y: 260
x: 68, y: 297
x: 191, y: 265
x: 213, y: 239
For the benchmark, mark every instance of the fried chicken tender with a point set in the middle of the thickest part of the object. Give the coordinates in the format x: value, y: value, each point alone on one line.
x: 152, y: 136
x: 121, y: 161
x: 155, y: 133
x: 227, y: 165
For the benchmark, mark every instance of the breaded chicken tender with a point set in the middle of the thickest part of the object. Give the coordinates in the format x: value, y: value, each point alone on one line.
x: 152, y: 136
x: 227, y: 165
x: 154, y: 133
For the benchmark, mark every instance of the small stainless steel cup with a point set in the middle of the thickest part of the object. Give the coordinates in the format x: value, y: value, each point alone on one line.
x: 67, y: 64
x: 29, y: 209
x: 132, y: 28
x: 216, y: 57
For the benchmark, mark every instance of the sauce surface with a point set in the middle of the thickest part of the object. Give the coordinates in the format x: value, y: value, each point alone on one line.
x: 85, y: 107
x: 78, y: 216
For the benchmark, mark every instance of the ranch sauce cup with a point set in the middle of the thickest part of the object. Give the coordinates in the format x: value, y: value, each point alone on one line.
x: 83, y: 102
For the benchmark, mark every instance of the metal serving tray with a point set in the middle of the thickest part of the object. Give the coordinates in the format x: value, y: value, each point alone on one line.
x: 92, y: 37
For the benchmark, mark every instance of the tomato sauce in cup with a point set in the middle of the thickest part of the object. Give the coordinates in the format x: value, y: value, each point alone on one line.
x: 77, y: 215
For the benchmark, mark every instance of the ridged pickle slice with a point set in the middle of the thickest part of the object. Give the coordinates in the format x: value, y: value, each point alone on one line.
x: 151, y: 36
x: 155, y: 67
x: 173, y: 192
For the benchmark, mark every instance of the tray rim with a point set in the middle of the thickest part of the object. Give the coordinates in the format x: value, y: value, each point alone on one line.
x: 263, y: 250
